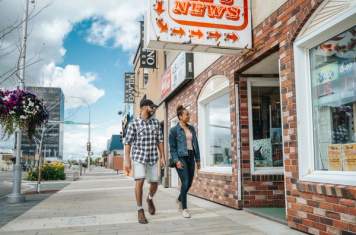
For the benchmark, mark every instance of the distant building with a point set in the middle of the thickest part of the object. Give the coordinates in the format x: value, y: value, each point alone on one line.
x: 115, y: 143
x: 6, y: 159
x: 114, y: 154
x: 52, y: 146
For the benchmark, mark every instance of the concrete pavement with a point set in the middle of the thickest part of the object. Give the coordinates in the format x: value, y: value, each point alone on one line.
x: 103, y: 203
x: 5, y: 183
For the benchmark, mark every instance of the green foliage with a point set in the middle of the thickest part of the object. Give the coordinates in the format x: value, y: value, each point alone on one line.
x: 50, y: 171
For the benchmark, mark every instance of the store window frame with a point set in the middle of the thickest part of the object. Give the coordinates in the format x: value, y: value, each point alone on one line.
x: 306, y: 154
x: 260, y: 82
x: 216, y: 87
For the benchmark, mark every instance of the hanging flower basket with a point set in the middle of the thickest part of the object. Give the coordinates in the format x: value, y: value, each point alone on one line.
x: 21, y: 109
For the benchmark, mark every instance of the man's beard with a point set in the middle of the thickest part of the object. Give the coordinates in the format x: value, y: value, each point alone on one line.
x: 151, y: 114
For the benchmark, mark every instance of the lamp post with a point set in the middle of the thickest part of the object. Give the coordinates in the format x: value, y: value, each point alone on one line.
x: 16, y: 196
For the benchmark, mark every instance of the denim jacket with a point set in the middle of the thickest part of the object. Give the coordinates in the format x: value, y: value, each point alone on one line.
x: 178, y: 143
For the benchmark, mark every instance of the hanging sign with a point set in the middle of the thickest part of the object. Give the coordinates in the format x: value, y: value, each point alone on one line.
x: 129, y: 88
x: 219, y: 26
x: 147, y: 56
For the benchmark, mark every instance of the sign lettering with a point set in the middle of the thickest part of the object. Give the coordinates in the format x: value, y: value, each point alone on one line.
x: 213, y: 25
x: 147, y: 57
x: 129, y: 88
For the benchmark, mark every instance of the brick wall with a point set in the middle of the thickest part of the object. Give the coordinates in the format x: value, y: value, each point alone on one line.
x: 312, y: 208
x: 220, y: 188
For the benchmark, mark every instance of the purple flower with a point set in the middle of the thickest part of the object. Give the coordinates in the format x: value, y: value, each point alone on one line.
x: 19, y: 108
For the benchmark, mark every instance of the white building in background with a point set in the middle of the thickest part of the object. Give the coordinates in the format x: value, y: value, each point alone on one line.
x: 5, y: 159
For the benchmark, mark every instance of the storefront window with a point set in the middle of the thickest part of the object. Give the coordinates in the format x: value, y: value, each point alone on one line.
x: 218, y: 132
x: 266, y: 127
x: 333, y: 82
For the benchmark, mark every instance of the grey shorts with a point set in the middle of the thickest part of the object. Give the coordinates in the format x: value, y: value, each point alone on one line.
x: 146, y: 171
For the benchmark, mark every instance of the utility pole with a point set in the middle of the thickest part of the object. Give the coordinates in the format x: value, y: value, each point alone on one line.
x: 89, y: 143
x: 89, y: 147
x: 16, y: 196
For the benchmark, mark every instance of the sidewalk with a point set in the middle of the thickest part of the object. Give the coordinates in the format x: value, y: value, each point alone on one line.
x: 103, y: 203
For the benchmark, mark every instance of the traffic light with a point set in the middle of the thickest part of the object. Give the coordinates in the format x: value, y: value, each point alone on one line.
x: 88, y: 147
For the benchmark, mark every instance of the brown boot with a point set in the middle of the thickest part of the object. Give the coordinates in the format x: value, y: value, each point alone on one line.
x: 141, y: 217
x: 151, y: 206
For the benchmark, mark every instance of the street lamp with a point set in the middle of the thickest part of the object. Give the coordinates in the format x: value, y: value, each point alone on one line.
x: 16, y: 196
x: 89, y: 127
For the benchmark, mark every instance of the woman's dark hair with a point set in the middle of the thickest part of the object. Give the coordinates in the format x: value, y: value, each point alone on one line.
x: 180, y: 110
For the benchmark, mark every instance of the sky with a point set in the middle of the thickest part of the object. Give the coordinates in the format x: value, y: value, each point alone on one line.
x: 82, y: 46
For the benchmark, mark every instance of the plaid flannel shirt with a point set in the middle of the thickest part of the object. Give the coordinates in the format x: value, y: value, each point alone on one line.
x: 144, y: 137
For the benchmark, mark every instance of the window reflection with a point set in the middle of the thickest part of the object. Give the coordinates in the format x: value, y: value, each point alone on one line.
x: 333, y: 73
x: 219, y: 133
x: 267, y: 129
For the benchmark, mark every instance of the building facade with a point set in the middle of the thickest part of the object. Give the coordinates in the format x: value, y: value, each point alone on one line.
x: 276, y: 124
x: 115, y: 143
x: 52, y: 146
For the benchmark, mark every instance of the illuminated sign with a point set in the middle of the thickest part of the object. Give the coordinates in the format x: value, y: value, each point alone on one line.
x: 219, y: 26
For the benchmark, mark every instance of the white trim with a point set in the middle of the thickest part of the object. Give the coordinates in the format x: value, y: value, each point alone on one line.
x: 259, y: 82
x: 216, y: 169
x: 204, y: 98
x: 306, y: 154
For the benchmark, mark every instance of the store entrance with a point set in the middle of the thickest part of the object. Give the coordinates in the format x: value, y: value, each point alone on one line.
x: 265, y: 126
x: 266, y: 147
x: 263, y: 188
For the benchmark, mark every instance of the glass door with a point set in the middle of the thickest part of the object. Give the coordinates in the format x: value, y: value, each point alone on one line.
x: 265, y: 126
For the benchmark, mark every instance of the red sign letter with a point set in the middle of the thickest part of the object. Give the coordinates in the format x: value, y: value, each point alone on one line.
x: 181, y: 8
x: 216, y: 11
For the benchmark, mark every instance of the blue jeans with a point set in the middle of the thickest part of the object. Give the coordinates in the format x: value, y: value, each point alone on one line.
x: 186, y: 176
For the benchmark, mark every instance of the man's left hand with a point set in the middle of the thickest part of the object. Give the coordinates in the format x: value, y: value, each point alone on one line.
x: 162, y: 162
x: 198, y: 165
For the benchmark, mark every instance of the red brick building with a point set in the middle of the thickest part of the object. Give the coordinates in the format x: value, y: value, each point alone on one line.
x: 259, y: 113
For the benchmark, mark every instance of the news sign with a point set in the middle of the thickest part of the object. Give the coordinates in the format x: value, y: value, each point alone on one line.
x: 219, y: 26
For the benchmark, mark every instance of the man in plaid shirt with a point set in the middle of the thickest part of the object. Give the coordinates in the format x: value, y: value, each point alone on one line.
x: 143, y: 140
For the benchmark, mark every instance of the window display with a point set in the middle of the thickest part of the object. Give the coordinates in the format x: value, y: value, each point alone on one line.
x: 267, y: 128
x: 219, y: 132
x: 333, y: 80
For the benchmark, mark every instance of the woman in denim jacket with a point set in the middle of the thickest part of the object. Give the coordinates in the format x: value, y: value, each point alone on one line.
x: 184, y: 150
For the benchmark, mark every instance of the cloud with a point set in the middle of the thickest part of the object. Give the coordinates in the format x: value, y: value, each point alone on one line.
x: 79, y: 136
x: 100, y: 33
x: 73, y: 84
x: 119, y: 27
x: 54, y: 31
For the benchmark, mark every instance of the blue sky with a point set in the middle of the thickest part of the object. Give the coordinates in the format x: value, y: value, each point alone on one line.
x: 107, y: 63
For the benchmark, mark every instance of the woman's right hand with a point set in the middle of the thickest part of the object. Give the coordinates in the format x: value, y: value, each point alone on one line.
x: 179, y: 165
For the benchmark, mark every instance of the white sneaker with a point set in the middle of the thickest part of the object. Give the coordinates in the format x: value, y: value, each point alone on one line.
x: 186, y: 213
x: 179, y: 205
